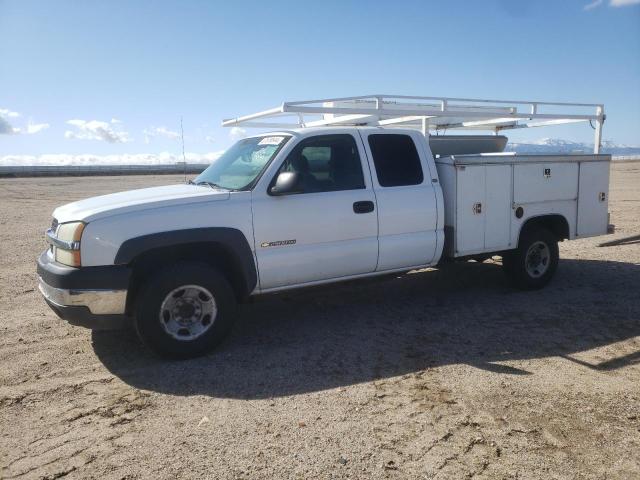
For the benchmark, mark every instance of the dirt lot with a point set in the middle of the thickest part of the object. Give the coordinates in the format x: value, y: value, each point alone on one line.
x: 445, y: 374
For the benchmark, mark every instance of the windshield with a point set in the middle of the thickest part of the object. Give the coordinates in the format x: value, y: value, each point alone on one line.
x: 240, y: 166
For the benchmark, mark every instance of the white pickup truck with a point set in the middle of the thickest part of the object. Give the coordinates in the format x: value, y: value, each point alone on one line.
x: 307, y: 206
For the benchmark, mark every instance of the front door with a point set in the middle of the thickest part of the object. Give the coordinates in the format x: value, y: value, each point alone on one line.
x: 328, y: 231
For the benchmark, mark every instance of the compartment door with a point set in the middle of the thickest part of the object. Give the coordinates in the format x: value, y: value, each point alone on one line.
x: 544, y: 182
x: 470, y: 209
x: 497, y: 231
x: 593, y: 199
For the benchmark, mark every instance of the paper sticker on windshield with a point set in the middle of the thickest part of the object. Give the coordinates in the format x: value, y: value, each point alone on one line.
x: 271, y: 141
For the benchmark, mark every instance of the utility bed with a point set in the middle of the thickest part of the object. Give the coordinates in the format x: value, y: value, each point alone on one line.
x: 488, y: 196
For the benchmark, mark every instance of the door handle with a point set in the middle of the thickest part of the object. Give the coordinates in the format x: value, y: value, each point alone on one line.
x: 365, y: 206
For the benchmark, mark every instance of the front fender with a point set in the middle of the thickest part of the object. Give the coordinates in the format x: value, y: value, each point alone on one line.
x: 231, y: 239
x: 103, y: 238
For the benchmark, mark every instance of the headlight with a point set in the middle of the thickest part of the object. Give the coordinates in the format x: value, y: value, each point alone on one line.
x: 65, y: 241
x: 70, y: 232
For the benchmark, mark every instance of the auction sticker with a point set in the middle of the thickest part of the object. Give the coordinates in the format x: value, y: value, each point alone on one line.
x: 271, y: 141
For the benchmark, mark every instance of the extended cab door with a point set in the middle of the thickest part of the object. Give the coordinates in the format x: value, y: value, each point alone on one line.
x: 329, y: 230
x: 406, y: 196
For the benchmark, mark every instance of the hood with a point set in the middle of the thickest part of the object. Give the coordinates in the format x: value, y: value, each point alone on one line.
x: 135, y: 200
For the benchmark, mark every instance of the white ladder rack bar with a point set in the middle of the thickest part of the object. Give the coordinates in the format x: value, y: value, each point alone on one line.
x: 402, y: 111
x: 447, y: 99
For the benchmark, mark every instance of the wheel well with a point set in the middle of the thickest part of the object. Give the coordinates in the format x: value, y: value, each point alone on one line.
x: 556, y: 224
x: 214, y: 254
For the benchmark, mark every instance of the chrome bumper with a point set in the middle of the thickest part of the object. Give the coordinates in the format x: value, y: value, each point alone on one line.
x: 99, y: 302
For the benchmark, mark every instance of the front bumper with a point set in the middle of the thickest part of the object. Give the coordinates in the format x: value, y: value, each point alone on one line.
x: 92, y: 297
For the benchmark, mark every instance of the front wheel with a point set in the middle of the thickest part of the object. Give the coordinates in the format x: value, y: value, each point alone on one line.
x: 185, y: 310
x: 532, y: 265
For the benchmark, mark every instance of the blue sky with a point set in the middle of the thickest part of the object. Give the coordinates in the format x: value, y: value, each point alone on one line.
x: 123, y: 72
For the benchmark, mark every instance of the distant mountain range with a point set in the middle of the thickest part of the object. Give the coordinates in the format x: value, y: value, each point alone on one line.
x: 557, y: 145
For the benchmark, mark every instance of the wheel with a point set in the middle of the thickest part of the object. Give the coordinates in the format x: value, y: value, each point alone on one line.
x: 185, y: 310
x: 532, y: 265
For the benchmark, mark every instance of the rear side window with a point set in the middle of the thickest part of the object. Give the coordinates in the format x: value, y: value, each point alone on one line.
x: 396, y: 160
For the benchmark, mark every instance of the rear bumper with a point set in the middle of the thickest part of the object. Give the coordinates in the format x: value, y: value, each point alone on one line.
x: 92, y: 297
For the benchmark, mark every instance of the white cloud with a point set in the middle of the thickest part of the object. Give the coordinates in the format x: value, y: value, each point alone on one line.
x: 206, y: 133
x: 165, y: 132
x: 36, y: 127
x: 592, y: 5
x: 152, y: 132
x: 96, y: 130
x: 623, y: 3
x: 612, y: 3
x: 7, y: 128
x: 237, y: 133
x: 5, y: 112
x: 164, y: 158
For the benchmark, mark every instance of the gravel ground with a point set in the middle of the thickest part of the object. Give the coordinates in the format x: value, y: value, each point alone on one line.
x: 436, y: 374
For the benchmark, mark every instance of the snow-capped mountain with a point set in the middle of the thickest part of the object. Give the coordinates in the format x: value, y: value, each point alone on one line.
x: 558, y: 145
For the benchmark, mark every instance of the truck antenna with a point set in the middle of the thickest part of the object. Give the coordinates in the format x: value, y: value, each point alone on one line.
x: 184, y: 158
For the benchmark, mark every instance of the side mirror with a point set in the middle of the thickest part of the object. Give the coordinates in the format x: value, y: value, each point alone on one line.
x: 286, y: 184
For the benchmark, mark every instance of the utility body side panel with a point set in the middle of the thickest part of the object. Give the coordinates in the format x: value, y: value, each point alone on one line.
x: 593, y: 199
x: 470, y: 218
x: 483, y: 193
x: 497, y: 207
x: 543, y: 182
x: 479, y: 199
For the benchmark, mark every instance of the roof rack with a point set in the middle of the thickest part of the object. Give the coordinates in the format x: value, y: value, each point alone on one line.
x: 425, y: 114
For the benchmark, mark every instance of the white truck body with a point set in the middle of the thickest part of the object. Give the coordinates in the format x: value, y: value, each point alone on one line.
x: 332, y: 243
x: 331, y: 203
x: 573, y: 186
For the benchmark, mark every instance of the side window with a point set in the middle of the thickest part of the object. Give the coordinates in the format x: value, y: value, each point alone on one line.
x: 326, y: 163
x: 396, y: 160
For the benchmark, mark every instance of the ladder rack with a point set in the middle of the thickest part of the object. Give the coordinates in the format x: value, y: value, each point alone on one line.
x: 425, y: 114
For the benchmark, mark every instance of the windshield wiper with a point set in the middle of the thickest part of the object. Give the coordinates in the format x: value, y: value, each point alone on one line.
x: 215, y: 185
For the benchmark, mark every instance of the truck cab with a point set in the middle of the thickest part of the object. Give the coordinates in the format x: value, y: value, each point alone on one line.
x: 340, y: 215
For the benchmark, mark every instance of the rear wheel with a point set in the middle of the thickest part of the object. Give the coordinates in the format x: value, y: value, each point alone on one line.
x: 185, y: 310
x: 532, y: 265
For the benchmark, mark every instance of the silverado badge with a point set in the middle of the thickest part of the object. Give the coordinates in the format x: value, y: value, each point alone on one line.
x: 279, y: 243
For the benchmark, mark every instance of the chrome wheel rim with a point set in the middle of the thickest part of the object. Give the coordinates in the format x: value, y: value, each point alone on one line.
x: 537, y: 259
x: 188, y: 312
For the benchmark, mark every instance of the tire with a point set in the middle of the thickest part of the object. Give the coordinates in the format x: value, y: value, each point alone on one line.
x: 533, y: 264
x: 185, y: 310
